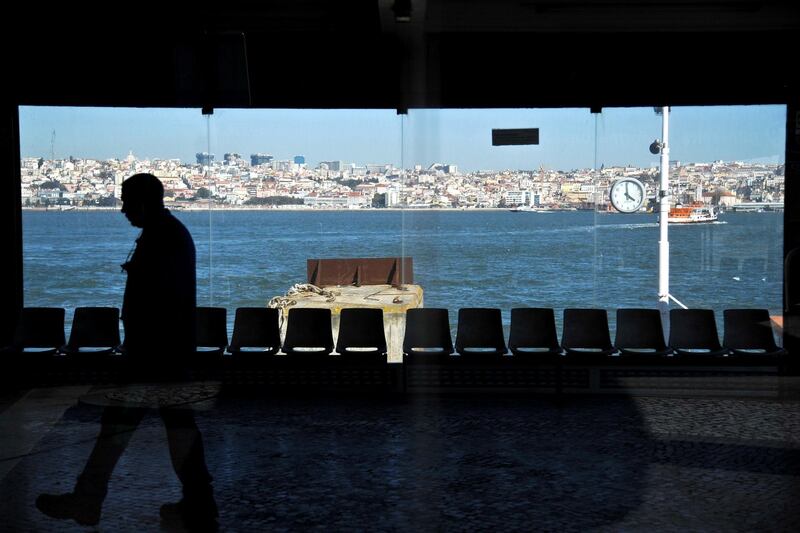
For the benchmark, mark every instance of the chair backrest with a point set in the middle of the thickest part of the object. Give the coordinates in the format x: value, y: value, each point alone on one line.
x: 40, y: 327
x: 748, y: 329
x: 586, y: 328
x: 427, y: 328
x: 639, y: 328
x: 256, y: 327
x: 482, y: 328
x: 308, y: 327
x: 94, y: 327
x: 693, y: 329
x: 533, y: 327
x: 212, y: 328
x: 361, y: 328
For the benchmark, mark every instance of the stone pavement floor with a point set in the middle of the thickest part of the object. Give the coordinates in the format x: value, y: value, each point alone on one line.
x: 444, y: 464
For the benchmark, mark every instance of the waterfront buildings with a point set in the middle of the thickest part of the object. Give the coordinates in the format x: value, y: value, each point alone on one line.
x: 96, y: 183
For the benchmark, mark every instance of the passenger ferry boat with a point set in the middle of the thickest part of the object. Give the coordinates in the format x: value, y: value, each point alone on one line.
x: 692, y: 214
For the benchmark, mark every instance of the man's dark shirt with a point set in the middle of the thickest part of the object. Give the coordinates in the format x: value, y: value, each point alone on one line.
x: 158, y: 310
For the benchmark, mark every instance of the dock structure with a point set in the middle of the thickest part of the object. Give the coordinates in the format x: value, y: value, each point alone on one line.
x: 393, y: 301
x: 373, y: 283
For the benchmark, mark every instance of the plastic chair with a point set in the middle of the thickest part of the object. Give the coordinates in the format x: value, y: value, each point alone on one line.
x: 212, y: 330
x: 533, y: 334
x: 640, y: 334
x: 748, y: 332
x: 427, y: 337
x: 40, y: 330
x: 480, y: 335
x: 586, y: 334
x: 255, y: 331
x: 95, y: 331
x: 361, y: 336
x: 308, y: 332
x: 693, y: 333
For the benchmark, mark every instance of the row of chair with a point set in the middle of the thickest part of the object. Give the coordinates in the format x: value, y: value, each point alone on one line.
x: 585, y: 334
x: 480, y: 335
x: 95, y: 330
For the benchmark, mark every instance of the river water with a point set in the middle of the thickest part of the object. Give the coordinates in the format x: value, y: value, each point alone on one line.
x: 469, y: 258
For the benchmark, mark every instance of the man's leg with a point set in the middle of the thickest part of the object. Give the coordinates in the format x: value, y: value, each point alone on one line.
x: 84, y: 503
x: 188, y: 460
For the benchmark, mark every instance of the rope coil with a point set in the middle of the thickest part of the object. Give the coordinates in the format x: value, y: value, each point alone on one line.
x: 301, y: 290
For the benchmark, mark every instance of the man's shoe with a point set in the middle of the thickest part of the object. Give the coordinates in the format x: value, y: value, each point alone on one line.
x: 69, y: 506
x: 172, y: 512
x: 191, y: 517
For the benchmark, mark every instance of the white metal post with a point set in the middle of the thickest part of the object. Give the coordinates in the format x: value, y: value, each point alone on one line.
x: 663, y: 242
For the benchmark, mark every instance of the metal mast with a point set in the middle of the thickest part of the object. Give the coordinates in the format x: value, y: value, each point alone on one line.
x: 664, y: 203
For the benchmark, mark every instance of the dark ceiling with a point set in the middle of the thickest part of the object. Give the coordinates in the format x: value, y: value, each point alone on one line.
x: 452, y: 53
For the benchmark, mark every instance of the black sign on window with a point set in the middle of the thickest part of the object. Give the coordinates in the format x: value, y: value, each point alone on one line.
x: 505, y: 137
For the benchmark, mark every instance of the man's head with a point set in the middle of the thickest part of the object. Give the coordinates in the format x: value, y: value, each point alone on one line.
x: 142, y: 199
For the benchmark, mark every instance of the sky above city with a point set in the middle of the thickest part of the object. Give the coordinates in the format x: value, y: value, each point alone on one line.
x: 569, y: 138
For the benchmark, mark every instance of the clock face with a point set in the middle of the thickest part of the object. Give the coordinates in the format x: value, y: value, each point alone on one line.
x: 627, y: 195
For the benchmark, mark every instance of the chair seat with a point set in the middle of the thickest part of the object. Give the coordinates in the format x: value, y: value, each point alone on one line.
x: 587, y: 355
x: 637, y: 356
x: 362, y: 355
x: 210, y: 350
x: 530, y: 354
x: 651, y: 352
x: 39, y: 351
x: 482, y: 355
x: 536, y: 356
x: 590, y: 351
x: 700, y: 352
x: 86, y: 351
x: 252, y: 353
x: 309, y: 349
x: 252, y: 350
x: 736, y: 352
x: 480, y: 350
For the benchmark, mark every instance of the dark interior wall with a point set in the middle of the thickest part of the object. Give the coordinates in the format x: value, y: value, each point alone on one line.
x: 10, y: 224
x: 296, y: 70
x: 454, y: 53
x: 610, y: 70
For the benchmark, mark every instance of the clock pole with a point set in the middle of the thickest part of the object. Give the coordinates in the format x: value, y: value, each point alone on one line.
x: 663, y: 242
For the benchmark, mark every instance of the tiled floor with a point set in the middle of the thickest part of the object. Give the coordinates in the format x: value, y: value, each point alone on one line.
x: 433, y: 463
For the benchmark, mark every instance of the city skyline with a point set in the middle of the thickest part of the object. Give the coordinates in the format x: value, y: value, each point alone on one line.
x: 459, y: 136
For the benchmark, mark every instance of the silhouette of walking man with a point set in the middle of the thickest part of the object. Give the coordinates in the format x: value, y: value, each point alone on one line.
x: 158, y: 315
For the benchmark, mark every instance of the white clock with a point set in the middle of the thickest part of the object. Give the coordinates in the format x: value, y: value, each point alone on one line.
x: 627, y: 195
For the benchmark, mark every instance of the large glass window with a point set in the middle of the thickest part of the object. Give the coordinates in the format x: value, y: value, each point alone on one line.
x: 262, y: 191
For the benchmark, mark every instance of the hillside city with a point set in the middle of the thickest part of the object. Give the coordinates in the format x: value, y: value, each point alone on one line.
x: 261, y: 181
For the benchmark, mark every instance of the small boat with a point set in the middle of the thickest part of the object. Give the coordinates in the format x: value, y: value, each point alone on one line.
x: 530, y: 209
x: 694, y: 213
